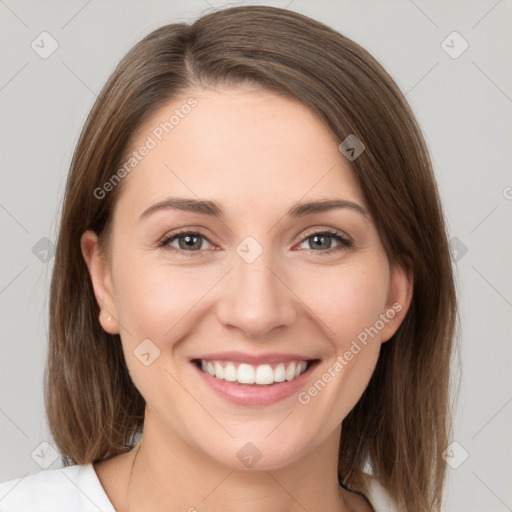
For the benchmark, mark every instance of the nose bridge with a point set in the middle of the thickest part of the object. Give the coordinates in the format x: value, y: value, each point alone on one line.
x: 256, y: 299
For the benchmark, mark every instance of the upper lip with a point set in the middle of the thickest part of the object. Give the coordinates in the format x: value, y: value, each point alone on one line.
x: 253, y: 359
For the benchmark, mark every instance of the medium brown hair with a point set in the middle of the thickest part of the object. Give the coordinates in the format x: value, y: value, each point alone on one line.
x: 402, y: 422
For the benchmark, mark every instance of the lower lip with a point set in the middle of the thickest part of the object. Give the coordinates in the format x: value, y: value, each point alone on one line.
x: 254, y: 394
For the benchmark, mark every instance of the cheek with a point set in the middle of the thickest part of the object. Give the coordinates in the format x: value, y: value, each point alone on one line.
x: 348, y: 299
x: 153, y: 299
x: 158, y: 303
x: 349, y: 310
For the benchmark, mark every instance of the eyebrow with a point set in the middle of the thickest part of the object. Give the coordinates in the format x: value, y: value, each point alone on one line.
x: 211, y: 208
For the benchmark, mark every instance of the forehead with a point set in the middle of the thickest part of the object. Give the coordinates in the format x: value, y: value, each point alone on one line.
x: 237, y: 146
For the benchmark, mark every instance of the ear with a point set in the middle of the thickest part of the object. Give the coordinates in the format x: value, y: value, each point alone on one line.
x: 101, y: 277
x: 399, y: 299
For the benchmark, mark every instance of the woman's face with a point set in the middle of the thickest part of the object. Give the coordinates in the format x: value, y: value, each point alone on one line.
x: 247, y: 282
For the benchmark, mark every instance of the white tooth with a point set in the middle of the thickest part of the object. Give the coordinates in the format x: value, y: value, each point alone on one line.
x: 248, y: 374
x: 280, y: 373
x: 230, y: 372
x: 245, y: 374
x: 264, y: 374
x: 210, y: 369
x: 290, y: 371
x: 219, y: 371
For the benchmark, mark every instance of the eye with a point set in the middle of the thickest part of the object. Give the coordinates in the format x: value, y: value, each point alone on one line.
x: 187, y: 241
x: 322, y: 241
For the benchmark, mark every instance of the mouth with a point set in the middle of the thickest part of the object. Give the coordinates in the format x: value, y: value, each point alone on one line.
x: 246, y: 380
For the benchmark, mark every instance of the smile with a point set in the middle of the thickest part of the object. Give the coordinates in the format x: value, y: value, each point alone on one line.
x: 263, y: 374
x: 254, y: 380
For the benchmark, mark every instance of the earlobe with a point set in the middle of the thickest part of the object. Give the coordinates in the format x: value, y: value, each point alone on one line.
x: 399, y: 299
x: 101, y: 279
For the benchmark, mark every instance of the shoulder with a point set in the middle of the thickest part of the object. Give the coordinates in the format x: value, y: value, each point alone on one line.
x: 377, y: 495
x: 73, y: 488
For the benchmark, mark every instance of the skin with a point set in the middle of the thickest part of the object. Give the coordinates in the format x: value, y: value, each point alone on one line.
x: 256, y: 154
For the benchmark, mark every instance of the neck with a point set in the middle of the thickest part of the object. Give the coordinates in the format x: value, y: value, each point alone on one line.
x: 169, y: 474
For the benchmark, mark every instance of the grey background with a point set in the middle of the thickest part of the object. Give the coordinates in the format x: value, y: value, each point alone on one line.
x: 463, y: 104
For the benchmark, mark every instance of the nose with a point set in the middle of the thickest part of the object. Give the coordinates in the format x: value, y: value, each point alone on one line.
x: 256, y: 299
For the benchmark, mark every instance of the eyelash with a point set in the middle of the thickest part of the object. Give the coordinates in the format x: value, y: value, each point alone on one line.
x: 344, y: 242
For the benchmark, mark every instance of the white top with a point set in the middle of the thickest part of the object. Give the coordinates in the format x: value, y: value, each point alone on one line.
x: 78, y: 489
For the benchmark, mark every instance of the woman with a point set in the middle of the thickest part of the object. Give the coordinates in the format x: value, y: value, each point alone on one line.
x: 252, y: 272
